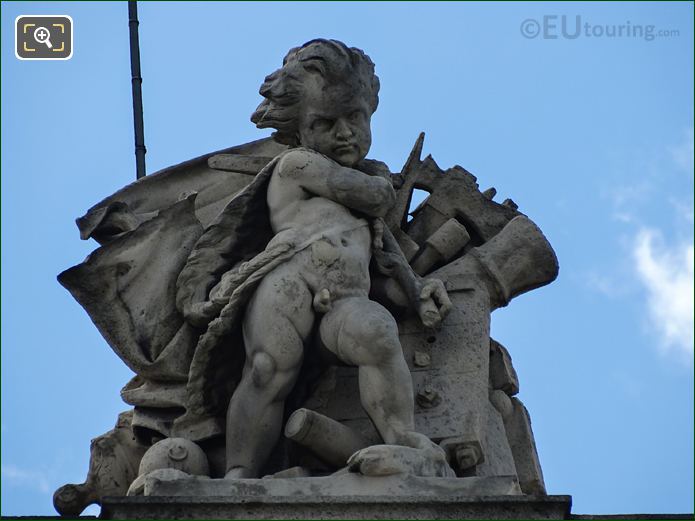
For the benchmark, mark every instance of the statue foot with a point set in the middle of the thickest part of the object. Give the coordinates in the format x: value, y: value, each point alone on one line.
x: 386, y: 460
x: 137, y: 487
x: 239, y: 473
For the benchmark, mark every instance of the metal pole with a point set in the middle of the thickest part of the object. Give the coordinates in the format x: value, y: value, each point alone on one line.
x: 136, y: 81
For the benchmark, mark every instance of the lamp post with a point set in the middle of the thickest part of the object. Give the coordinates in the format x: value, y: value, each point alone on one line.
x: 136, y: 82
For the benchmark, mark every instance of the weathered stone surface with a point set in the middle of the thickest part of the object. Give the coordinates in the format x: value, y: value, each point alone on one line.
x: 361, y: 507
x: 285, y: 319
x: 502, y: 373
x: 523, y: 446
x: 387, y: 460
x: 329, y: 439
x: 341, y: 485
x: 441, y: 246
x: 137, y: 487
x: 241, y: 163
x: 113, y: 464
x: 143, y: 199
x: 175, y: 453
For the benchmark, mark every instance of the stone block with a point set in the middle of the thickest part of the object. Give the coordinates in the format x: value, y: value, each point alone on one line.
x: 521, y: 441
x: 502, y: 373
x: 376, y: 507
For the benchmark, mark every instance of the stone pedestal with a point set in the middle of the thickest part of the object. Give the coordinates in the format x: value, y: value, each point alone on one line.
x: 346, y: 507
x: 342, y: 496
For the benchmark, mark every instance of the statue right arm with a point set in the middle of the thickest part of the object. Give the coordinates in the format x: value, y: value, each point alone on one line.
x: 319, y: 175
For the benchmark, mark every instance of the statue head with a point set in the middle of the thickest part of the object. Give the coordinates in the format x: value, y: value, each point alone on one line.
x: 323, y: 98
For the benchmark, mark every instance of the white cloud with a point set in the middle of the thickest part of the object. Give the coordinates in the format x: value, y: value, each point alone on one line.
x: 630, y: 194
x: 683, y: 154
x: 684, y: 210
x: 607, y: 285
x: 667, y: 274
x: 663, y: 269
x: 19, y: 476
x: 626, y: 198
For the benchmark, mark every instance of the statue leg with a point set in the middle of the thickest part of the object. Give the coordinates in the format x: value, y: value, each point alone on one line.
x: 278, y: 320
x: 363, y: 333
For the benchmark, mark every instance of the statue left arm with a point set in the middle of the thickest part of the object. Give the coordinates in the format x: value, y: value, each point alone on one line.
x: 427, y: 296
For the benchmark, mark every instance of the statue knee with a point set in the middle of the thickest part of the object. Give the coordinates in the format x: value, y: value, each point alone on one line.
x: 387, y: 346
x: 378, y: 339
x: 263, y: 369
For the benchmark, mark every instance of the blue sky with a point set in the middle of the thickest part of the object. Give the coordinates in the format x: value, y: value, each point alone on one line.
x: 591, y: 136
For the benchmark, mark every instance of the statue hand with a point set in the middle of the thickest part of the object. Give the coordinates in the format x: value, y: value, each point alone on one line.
x: 434, y: 304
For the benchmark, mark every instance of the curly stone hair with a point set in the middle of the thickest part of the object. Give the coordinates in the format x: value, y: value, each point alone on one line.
x: 334, y: 62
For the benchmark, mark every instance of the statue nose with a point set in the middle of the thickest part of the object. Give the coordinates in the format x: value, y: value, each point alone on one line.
x: 342, y: 130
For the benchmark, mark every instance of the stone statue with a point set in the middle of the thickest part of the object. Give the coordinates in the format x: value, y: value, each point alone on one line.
x: 286, y: 319
x: 325, y: 218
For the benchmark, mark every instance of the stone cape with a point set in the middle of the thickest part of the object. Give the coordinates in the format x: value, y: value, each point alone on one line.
x: 131, y: 299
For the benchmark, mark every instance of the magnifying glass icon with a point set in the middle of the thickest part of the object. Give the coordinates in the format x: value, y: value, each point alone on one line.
x: 43, y: 35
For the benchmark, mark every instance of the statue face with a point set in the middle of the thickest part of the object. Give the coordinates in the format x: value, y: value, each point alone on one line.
x: 335, y: 123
